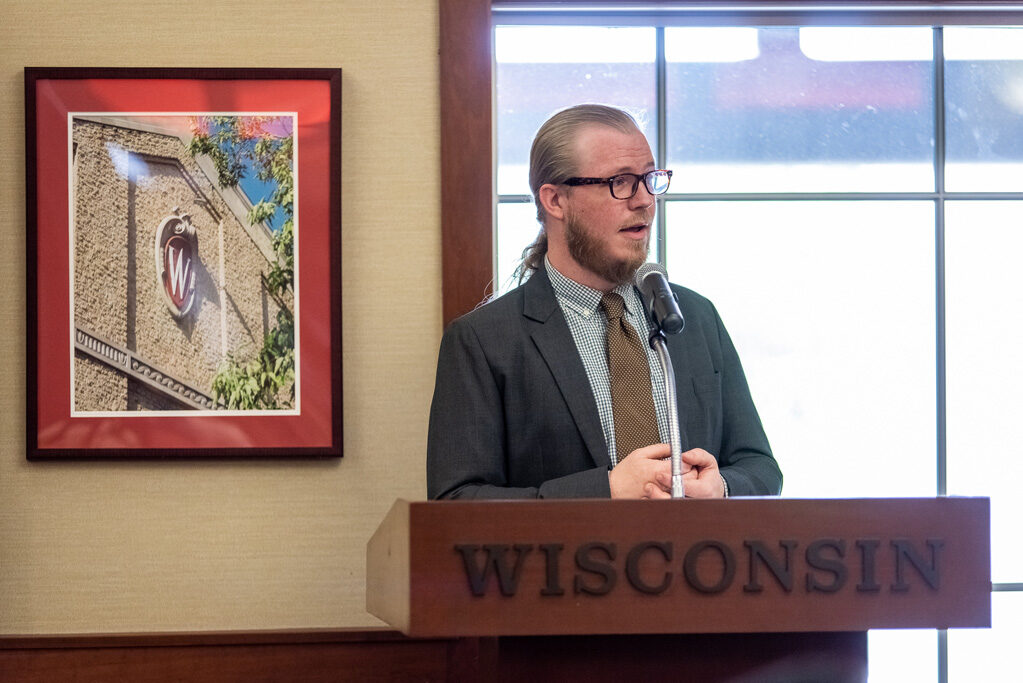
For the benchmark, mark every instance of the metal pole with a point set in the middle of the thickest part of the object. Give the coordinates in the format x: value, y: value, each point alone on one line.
x: 658, y: 344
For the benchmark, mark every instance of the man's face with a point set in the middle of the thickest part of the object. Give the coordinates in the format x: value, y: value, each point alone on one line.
x: 609, y: 237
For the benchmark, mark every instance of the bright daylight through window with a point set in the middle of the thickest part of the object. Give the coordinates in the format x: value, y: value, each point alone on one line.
x: 862, y: 254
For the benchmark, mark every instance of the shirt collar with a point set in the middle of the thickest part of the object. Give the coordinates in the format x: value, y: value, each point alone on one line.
x: 583, y: 299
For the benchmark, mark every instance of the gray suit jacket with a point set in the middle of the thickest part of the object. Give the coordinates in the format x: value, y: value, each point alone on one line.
x: 513, y: 415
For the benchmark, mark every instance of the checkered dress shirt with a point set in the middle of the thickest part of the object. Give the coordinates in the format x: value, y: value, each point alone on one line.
x: 588, y: 323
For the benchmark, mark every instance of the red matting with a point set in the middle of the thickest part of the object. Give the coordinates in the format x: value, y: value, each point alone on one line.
x: 316, y: 430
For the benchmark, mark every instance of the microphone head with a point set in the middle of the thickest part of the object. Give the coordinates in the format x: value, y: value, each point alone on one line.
x: 645, y: 270
x: 659, y: 301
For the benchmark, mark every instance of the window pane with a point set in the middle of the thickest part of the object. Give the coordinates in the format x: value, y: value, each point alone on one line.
x: 984, y: 108
x: 901, y: 655
x: 989, y: 654
x: 516, y: 230
x: 822, y: 109
x: 831, y: 305
x: 984, y: 367
x: 541, y: 69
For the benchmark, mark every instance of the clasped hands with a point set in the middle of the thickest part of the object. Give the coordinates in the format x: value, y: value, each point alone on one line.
x: 646, y: 473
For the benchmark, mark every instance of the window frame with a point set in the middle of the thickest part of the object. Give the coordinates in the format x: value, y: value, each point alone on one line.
x: 468, y: 182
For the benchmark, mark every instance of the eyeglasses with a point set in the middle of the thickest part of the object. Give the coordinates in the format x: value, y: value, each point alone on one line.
x: 624, y: 185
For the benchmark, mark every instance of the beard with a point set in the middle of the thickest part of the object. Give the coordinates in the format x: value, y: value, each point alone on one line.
x: 590, y: 252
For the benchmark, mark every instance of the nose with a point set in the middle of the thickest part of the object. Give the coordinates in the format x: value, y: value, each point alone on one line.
x: 642, y: 199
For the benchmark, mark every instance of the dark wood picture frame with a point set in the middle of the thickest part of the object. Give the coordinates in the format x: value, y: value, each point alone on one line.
x: 306, y: 105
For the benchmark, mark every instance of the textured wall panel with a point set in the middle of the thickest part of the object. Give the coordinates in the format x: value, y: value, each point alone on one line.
x: 121, y: 547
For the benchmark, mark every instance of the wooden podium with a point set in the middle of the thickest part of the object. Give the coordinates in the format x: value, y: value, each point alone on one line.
x: 762, y: 589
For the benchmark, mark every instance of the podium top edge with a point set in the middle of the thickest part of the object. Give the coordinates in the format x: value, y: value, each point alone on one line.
x: 736, y: 499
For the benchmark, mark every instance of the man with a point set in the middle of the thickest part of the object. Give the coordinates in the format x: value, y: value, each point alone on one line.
x: 526, y: 403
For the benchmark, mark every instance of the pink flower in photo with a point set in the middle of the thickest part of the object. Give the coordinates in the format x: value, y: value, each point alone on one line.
x: 253, y: 127
x: 280, y: 126
x: 200, y: 125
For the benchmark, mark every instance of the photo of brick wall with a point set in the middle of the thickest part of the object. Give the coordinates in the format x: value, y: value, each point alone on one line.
x: 183, y: 239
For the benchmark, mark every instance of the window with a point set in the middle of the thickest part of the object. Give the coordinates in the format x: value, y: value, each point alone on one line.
x: 851, y: 198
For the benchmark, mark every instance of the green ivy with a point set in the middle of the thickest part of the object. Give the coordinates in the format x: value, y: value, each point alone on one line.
x: 233, y: 144
x: 259, y: 382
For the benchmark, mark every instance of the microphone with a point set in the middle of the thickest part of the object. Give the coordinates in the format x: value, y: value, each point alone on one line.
x: 661, y: 306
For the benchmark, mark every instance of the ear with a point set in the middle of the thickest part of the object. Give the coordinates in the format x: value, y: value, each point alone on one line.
x: 553, y: 198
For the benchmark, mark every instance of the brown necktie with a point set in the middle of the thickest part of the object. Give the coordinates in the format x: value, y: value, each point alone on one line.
x: 632, y: 402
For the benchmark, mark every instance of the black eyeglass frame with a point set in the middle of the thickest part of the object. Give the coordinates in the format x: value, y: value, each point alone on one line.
x: 636, y: 178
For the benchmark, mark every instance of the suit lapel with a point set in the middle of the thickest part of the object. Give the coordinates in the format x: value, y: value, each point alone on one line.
x: 554, y: 340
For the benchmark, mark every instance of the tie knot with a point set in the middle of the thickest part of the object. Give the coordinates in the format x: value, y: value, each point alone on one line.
x: 613, y: 304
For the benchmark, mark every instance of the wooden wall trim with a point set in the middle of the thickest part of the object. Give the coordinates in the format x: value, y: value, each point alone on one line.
x: 308, y: 656
x: 189, y: 638
x: 313, y: 656
x: 466, y: 141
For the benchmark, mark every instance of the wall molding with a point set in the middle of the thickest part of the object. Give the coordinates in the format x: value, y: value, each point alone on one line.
x: 216, y: 657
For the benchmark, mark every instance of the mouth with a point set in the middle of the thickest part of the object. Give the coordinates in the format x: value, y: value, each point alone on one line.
x: 636, y: 231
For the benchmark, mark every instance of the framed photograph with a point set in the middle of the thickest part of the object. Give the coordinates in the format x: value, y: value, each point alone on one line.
x: 184, y: 262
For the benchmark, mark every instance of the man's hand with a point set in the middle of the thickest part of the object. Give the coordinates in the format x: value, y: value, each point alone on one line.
x: 644, y: 473
x: 703, y: 480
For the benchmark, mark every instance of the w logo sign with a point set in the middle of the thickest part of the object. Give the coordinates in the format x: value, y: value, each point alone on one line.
x: 178, y: 277
x: 177, y: 250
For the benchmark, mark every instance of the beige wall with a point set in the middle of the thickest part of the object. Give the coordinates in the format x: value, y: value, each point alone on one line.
x: 110, y: 547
